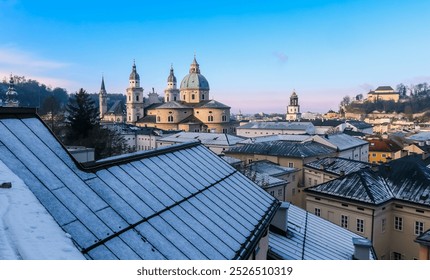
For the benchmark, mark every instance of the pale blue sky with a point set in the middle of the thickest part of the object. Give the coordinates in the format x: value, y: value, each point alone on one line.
x: 253, y: 53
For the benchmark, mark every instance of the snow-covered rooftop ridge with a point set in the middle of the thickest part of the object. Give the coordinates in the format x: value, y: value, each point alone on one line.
x: 27, y: 230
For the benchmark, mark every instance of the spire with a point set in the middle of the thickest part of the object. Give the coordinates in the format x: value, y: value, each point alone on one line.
x: 171, y: 78
x: 194, y: 66
x: 133, y: 74
x: 102, y: 87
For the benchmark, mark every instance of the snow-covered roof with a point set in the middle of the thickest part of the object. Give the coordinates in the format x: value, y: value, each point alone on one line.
x: 27, y: 231
x: 217, y: 139
x: 404, y: 179
x: 312, y: 238
x: 283, y: 137
x: 270, y: 168
x: 341, y: 141
x: 284, y: 149
x: 277, y: 125
x: 337, y: 165
x: 180, y: 202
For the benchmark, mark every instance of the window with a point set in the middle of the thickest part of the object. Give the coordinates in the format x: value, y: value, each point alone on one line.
x: 344, y: 221
x: 291, y: 164
x: 360, y: 225
x: 318, y: 212
x: 137, y: 97
x: 193, y: 96
x: 203, y: 97
x: 170, y: 118
x: 419, y: 227
x: 272, y: 193
x: 384, y: 155
x: 158, y: 119
x: 249, y: 161
x: 315, y: 182
x: 398, y: 223
x: 397, y: 256
x: 279, y: 192
x: 224, y: 130
x: 224, y: 118
x: 210, y: 118
x: 294, y: 191
x: 309, y: 182
x: 373, y: 155
x: 383, y: 224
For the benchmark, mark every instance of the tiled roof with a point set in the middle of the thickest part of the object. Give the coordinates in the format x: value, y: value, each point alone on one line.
x: 116, y: 109
x: 329, y: 123
x: 213, y: 104
x: 147, y: 119
x: 181, y: 202
x: 312, y: 238
x: 284, y: 149
x: 337, y: 165
x: 359, y: 124
x: 173, y: 105
x: 383, y: 145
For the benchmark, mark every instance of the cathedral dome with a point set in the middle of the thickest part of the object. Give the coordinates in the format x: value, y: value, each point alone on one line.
x: 171, y: 78
x: 194, y: 80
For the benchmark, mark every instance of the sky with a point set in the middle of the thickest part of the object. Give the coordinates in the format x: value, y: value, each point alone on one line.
x: 253, y: 53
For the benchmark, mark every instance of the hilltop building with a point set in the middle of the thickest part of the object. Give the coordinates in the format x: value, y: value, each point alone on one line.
x: 383, y: 93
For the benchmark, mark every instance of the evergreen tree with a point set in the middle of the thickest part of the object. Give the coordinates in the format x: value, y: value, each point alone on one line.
x: 84, y: 129
x: 82, y: 117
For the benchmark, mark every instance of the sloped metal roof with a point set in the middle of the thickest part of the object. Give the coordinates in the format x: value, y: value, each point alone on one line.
x: 277, y: 125
x: 284, y: 149
x: 312, y: 238
x: 181, y: 202
x: 205, y: 138
x: 337, y: 165
x: 405, y: 179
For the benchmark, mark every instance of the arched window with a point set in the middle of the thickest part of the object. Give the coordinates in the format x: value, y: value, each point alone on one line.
x: 224, y: 118
x: 158, y: 118
x: 210, y: 118
x: 203, y: 97
x: 193, y: 96
x: 170, y: 118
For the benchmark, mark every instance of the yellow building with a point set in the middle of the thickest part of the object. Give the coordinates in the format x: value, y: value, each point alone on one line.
x: 382, y: 149
x: 383, y: 93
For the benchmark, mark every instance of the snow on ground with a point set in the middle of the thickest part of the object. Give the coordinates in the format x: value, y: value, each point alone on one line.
x: 27, y: 230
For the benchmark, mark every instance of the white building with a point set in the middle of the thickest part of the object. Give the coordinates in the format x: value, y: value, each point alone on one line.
x: 255, y: 129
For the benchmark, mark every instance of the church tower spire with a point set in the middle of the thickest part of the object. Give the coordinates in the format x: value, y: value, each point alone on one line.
x: 134, y: 97
x: 102, y: 99
x: 293, y: 110
x: 171, y: 93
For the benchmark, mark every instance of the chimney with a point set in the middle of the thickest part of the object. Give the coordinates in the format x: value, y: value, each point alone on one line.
x: 342, y: 173
x: 6, y: 185
x: 374, y: 167
x: 280, y: 221
x: 361, y: 248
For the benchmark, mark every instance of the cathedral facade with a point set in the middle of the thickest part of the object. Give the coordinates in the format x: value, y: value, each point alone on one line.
x: 187, y: 108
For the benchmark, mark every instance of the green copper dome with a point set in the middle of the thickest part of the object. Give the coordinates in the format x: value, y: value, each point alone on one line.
x: 194, y: 80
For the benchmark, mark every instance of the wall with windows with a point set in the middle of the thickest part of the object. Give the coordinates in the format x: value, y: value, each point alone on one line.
x: 393, y: 226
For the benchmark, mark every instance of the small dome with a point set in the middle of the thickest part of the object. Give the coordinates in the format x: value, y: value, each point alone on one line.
x: 133, y: 74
